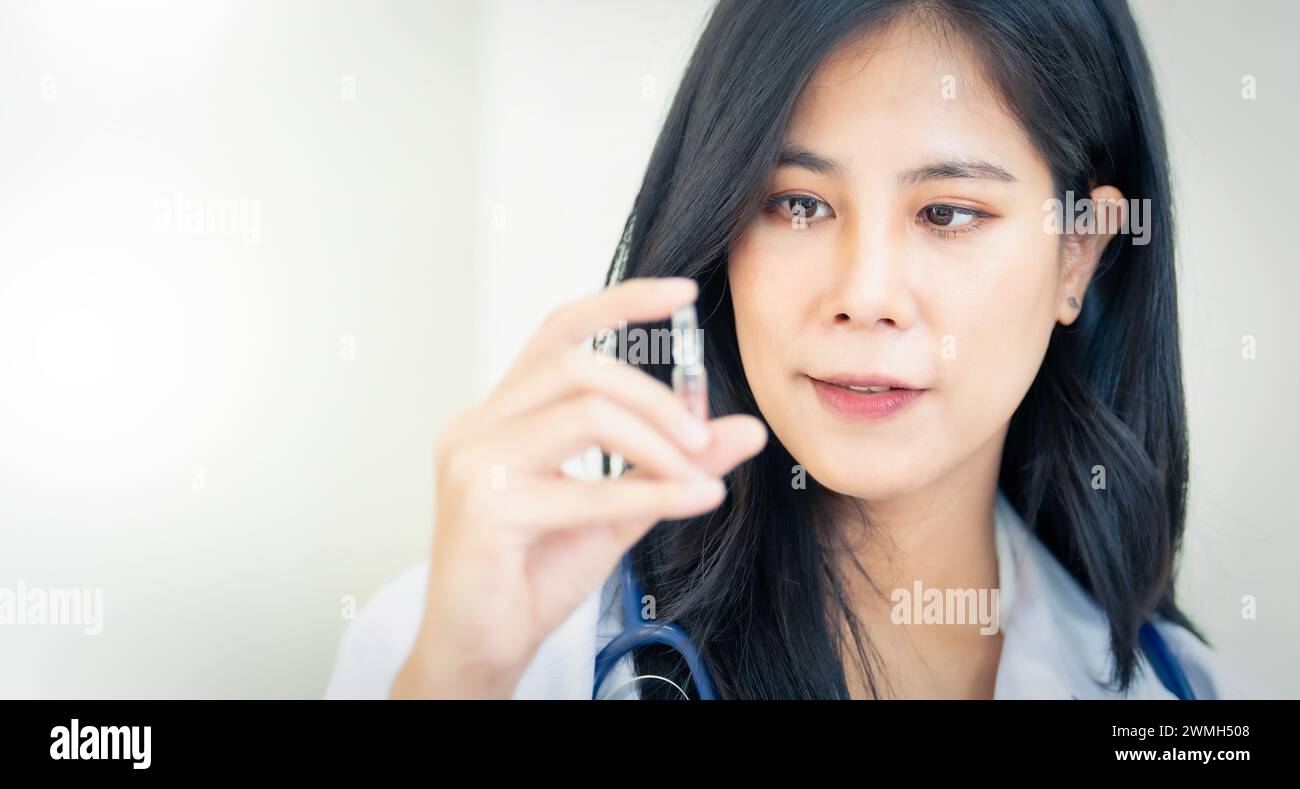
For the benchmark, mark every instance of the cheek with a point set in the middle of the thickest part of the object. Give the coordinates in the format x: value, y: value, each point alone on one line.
x: 766, y: 299
x: 999, y: 326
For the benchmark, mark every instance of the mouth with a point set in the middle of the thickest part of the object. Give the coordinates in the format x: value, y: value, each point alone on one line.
x: 868, y: 398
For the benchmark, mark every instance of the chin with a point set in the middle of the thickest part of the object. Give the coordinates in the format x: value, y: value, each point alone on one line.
x: 876, y: 478
x: 875, y: 490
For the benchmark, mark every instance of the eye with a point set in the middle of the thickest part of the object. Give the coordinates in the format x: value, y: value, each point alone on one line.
x: 949, y: 220
x: 794, y: 207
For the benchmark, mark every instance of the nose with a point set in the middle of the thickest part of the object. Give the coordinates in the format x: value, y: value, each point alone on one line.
x: 871, y: 286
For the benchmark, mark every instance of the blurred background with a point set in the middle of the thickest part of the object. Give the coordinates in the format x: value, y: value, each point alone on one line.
x: 253, y: 254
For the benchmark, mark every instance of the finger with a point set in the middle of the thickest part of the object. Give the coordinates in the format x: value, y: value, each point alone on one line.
x: 633, y: 500
x: 733, y: 440
x: 584, y: 372
x: 541, y: 440
x: 579, y: 559
x: 638, y: 300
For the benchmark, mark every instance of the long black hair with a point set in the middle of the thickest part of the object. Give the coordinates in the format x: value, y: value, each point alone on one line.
x: 756, y: 582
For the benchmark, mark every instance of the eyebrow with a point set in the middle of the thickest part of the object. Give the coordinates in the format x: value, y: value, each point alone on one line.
x: 797, y: 156
x: 955, y: 168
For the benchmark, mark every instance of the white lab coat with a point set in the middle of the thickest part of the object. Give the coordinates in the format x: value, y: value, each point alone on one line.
x: 1055, y: 639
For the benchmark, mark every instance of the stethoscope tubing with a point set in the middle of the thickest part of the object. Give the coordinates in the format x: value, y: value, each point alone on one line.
x: 643, y: 632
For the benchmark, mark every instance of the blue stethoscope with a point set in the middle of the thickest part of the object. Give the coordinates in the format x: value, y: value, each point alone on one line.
x: 639, y: 631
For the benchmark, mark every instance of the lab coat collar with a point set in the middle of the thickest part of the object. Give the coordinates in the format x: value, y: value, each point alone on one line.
x: 1030, y: 665
x: 1056, y: 640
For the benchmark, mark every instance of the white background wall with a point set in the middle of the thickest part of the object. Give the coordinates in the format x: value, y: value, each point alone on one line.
x: 1234, y: 166
x: 230, y: 432
x: 226, y: 432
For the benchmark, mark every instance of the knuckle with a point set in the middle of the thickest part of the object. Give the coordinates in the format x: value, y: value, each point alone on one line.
x: 555, y: 320
x: 448, y: 440
x: 443, y: 450
x: 580, y: 368
x: 455, y: 463
x: 596, y: 412
x: 450, y: 466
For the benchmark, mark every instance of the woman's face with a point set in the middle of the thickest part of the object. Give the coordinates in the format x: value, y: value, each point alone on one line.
x: 920, y: 256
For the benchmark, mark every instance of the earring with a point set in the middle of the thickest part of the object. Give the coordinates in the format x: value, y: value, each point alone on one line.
x: 1073, y: 302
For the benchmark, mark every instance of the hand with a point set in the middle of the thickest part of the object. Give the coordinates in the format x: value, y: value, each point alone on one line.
x: 518, y: 545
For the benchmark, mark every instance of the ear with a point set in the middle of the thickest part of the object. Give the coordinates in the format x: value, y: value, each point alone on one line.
x: 1083, y: 245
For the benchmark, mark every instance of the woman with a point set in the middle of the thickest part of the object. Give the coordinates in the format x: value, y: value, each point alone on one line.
x: 916, y: 351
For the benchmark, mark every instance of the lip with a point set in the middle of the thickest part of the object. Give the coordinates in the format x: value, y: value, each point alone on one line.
x: 860, y: 406
x: 867, y: 380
